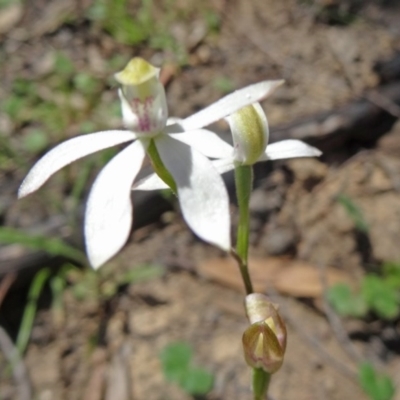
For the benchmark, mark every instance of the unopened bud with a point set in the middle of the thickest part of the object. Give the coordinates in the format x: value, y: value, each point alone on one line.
x: 142, y: 95
x: 264, y: 342
x: 250, y: 133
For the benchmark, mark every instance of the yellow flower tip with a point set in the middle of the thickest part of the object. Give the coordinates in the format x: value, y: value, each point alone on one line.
x: 137, y: 71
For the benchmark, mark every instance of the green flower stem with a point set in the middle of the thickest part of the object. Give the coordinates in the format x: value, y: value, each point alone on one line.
x: 244, y: 185
x: 261, y: 381
x: 159, y: 166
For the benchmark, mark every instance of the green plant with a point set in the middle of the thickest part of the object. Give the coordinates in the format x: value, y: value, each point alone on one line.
x: 35, y: 141
x: 52, y: 246
x: 57, y: 285
x: 378, y: 294
x: 377, y: 386
x: 114, y: 17
x: 223, y: 84
x: 28, y: 317
x: 176, y: 360
x: 346, y: 302
x: 354, y: 212
x: 102, y: 285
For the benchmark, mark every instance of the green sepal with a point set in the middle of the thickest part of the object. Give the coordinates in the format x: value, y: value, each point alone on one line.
x: 159, y: 166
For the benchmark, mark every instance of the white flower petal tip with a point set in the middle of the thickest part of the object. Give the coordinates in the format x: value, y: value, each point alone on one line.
x: 201, y: 191
x: 108, y: 217
x: 230, y: 104
x: 67, y: 152
x: 290, y: 149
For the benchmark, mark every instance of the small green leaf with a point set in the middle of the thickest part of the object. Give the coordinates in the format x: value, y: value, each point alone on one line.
x: 380, y: 296
x: 212, y: 20
x: 175, y: 359
x: 197, y: 381
x: 377, y: 386
x: 86, y: 83
x: 35, y: 141
x: 223, y: 84
x: 63, y: 65
x: 345, y: 302
x: 391, y: 272
x: 14, y: 106
x: 97, y: 11
x: 24, y: 87
x: 87, y: 127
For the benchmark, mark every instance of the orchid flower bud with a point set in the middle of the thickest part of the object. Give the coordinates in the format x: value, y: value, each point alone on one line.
x: 143, y: 101
x: 250, y: 133
x: 264, y: 342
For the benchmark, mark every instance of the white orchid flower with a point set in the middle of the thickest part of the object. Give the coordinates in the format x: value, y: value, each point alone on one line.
x: 250, y: 135
x: 178, y: 153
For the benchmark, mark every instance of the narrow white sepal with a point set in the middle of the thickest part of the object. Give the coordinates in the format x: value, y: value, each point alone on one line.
x: 67, y: 152
x: 108, y: 217
x: 206, y: 142
x: 224, y: 165
x: 291, y: 148
x: 201, y: 191
x: 150, y: 182
x: 230, y: 104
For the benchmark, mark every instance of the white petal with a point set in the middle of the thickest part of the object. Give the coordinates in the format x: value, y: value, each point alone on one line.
x: 224, y: 165
x: 206, y: 142
x: 173, y: 126
x: 230, y: 104
x: 290, y: 149
x: 202, y: 194
x: 150, y: 182
x: 108, y: 217
x: 67, y: 152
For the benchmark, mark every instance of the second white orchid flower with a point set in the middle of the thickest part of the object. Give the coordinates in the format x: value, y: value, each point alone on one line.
x: 250, y: 134
x: 178, y: 152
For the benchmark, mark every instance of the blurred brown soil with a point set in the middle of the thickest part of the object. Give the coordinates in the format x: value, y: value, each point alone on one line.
x: 297, y: 221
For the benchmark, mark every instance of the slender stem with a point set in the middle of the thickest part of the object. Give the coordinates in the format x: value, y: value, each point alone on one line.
x: 244, y: 185
x: 261, y: 381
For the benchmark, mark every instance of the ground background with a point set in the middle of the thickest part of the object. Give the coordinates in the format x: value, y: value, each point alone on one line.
x: 104, y: 340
